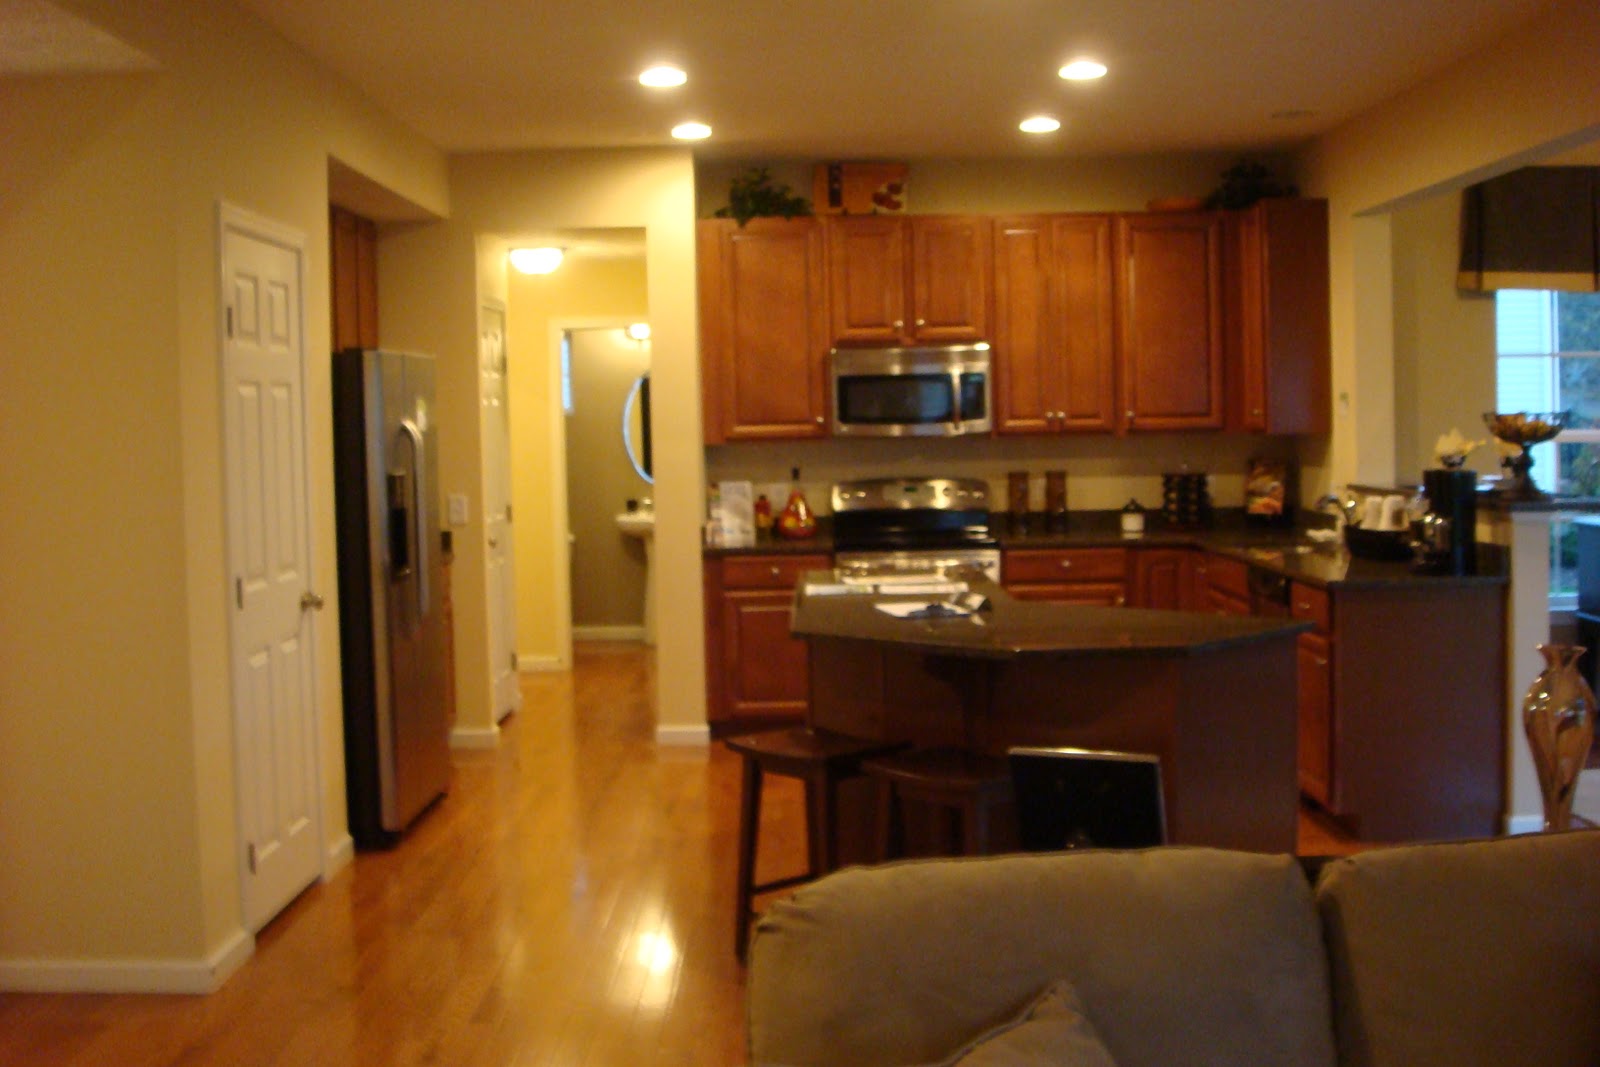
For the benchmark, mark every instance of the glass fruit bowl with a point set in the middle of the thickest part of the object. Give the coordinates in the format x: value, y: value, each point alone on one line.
x: 1523, y: 429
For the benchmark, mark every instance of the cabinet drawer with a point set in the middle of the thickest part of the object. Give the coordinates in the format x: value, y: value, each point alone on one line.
x: 1309, y: 603
x: 1065, y: 565
x: 1228, y: 576
x: 769, y: 572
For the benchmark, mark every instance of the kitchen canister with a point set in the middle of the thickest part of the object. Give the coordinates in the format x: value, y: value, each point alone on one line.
x: 1055, y: 501
x: 1017, y: 501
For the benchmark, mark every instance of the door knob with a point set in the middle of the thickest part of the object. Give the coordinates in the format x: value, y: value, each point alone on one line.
x: 310, y: 601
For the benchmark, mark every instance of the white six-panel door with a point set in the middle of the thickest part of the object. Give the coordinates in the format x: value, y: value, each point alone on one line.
x: 496, y: 432
x: 272, y: 601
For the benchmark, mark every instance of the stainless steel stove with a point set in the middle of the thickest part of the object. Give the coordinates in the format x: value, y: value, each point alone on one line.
x: 906, y: 528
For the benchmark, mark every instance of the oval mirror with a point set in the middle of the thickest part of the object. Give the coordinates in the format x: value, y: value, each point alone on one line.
x: 636, y: 428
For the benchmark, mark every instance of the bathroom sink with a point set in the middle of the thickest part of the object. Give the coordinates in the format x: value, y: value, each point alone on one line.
x: 637, y: 523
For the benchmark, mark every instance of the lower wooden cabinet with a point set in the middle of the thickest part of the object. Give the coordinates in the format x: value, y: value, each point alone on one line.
x: 756, y: 672
x: 1067, y: 575
x: 1221, y: 585
x: 1316, y: 717
x: 1164, y: 578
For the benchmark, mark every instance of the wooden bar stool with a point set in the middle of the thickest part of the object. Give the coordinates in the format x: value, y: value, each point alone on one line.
x: 964, y: 786
x: 819, y: 758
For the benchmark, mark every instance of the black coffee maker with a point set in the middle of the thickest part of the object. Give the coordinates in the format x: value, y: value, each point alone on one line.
x: 1445, y: 539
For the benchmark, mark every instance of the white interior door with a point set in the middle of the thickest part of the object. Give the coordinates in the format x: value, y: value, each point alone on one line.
x: 496, y: 423
x: 275, y: 714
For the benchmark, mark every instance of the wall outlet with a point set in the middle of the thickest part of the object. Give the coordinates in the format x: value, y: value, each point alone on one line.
x: 458, y: 508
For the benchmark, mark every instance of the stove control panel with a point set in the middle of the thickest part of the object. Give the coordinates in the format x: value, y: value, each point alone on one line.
x: 939, y: 494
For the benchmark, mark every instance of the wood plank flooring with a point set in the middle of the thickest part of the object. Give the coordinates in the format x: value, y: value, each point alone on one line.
x: 569, y: 902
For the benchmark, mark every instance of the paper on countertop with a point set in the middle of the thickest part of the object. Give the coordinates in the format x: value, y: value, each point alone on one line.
x: 921, y: 609
x: 736, y: 514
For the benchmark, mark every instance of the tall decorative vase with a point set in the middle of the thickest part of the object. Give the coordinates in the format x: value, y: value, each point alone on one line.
x: 1558, y: 716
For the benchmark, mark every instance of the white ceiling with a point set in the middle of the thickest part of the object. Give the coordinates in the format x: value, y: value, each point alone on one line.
x: 842, y: 79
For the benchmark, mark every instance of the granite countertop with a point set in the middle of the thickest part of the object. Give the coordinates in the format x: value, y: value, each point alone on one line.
x: 1010, y: 628
x: 1284, y: 550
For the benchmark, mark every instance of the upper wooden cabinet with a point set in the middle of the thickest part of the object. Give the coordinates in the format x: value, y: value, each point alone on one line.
x: 763, y: 329
x: 353, y: 267
x: 1053, y: 324
x: 909, y: 280
x: 1276, y: 255
x: 1169, y: 321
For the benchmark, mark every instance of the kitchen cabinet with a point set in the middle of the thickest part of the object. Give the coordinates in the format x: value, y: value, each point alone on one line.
x: 353, y: 269
x: 756, y: 673
x: 1276, y: 270
x: 1164, y: 578
x: 1222, y: 585
x: 1068, y: 575
x: 763, y: 329
x: 908, y: 280
x: 1401, y: 709
x: 1054, y: 324
x: 1169, y: 321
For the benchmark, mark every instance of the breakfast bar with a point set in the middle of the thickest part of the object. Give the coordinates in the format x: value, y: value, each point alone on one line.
x: 1214, y: 697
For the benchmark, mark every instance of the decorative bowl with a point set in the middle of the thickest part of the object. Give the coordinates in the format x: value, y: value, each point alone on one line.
x: 1526, y: 427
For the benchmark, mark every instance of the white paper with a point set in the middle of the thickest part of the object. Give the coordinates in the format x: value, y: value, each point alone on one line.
x: 736, y: 514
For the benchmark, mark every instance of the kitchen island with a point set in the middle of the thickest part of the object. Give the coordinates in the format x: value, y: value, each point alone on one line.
x: 1213, y: 696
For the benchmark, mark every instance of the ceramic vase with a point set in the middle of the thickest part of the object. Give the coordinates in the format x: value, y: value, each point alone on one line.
x: 1558, y: 716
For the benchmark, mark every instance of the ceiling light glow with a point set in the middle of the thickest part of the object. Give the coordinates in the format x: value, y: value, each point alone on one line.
x: 1082, y: 70
x: 691, y: 131
x: 536, y: 260
x: 663, y: 77
x: 1039, y: 124
x: 639, y: 331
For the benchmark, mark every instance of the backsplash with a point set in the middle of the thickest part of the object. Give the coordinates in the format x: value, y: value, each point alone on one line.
x: 1102, y: 472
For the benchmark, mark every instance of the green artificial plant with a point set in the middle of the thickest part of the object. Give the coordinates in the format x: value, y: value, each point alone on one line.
x: 753, y: 194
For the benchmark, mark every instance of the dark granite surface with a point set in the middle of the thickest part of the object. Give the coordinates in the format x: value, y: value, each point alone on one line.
x: 1284, y: 550
x: 1011, y: 628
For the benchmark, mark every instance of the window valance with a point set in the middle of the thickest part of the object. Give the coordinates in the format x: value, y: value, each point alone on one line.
x: 1534, y: 228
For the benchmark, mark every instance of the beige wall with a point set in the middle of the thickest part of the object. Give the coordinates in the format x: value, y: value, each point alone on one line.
x: 608, y: 566
x: 584, y: 289
x: 1444, y: 341
x: 116, y: 758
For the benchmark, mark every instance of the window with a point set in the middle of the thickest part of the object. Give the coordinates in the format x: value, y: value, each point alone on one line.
x: 1548, y: 347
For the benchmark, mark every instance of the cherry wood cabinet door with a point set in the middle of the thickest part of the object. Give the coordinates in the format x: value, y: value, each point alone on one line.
x: 951, y: 266
x: 866, y: 278
x: 1082, y: 296
x: 765, y: 668
x: 1170, y: 321
x: 1276, y: 269
x: 1316, y: 717
x: 1164, y: 578
x: 763, y: 330
x: 1024, y: 357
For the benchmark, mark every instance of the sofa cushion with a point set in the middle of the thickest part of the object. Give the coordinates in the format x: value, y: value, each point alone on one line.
x: 1472, y: 953
x: 1050, y: 1032
x: 1181, y: 955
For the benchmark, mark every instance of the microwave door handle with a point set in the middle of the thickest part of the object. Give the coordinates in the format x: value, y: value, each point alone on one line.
x: 419, y: 514
x: 957, y: 416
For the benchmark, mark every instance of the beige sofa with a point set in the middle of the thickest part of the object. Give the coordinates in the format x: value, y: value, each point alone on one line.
x: 1453, y: 954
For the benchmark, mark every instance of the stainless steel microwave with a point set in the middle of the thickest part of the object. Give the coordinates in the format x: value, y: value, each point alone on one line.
x: 932, y: 391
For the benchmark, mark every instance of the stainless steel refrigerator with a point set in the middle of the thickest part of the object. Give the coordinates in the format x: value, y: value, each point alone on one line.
x: 393, y: 644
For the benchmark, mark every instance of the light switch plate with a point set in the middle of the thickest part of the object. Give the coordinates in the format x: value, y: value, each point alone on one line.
x: 458, y: 509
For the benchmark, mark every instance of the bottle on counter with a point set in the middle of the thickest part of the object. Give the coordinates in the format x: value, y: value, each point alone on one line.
x: 797, y: 520
x: 1132, y: 518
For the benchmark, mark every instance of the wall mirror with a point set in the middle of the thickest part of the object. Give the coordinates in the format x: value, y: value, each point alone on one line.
x: 636, y: 428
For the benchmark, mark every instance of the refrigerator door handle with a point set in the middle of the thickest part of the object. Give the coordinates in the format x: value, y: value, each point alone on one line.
x: 419, y: 460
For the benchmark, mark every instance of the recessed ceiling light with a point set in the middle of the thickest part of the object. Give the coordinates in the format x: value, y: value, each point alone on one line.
x: 1039, y: 124
x: 691, y: 131
x: 663, y: 77
x: 536, y: 260
x: 1082, y: 70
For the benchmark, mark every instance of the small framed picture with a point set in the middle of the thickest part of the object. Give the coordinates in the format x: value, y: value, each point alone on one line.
x: 1266, y: 491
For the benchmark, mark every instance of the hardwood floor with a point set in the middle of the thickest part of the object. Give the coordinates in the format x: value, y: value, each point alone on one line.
x: 569, y: 902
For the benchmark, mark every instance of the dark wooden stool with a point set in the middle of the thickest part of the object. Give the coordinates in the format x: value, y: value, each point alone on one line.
x: 964, y: 785
x: 819, y: 758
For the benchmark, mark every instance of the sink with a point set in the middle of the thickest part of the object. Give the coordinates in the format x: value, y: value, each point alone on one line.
x: 642, y: 524
x: 637, y: 523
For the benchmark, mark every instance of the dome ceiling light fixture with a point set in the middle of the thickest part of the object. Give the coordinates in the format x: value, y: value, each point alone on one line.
x: 639, y: 331
x: 536, y: 260
x: 691, y: 131
x: 1082, y: 70
x: 663, y: 76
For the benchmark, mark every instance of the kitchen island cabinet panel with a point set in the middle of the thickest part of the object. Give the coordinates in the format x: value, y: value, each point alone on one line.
x: 763, y: 329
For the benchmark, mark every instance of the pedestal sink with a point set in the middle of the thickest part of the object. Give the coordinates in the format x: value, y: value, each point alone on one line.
x: 642, y: 524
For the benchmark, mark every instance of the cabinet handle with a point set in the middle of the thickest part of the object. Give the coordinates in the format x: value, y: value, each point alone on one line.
x: 1302, y: 605
x: 1255, y: 411
x: 899, y: 323
x: 774, y: 572
x: 1322, y: 661
x: 922, y: 322
x: 820, y: 420
x: 1065, y: 564
x: 1130, y: 414
x: 1120, y: 601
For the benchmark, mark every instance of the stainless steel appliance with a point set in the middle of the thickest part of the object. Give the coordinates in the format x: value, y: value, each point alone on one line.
x: 393, y: 644
x: 913, y: 526
x: 911, y: 392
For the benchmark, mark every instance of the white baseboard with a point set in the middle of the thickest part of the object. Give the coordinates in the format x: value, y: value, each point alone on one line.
x: 608, y: 633
x: 683, y: 735
x: 339, y: 855
x: 532, y: 662
x: 129, y: 976
x: 462, y: 737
